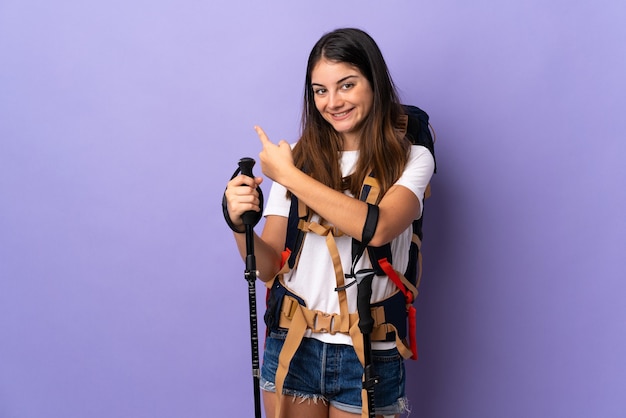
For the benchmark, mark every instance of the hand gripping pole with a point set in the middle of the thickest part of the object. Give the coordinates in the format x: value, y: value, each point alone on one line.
x: 251, y: 217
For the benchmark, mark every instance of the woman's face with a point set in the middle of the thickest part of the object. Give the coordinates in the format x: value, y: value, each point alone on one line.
x: 344, y: 98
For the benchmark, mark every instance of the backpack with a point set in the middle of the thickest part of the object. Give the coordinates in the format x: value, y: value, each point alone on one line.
x: 394, y: 312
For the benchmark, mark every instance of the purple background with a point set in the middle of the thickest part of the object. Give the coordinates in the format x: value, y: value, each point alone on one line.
x: 121, y: 293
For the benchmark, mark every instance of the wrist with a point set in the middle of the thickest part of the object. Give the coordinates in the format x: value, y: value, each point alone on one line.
x: 229, y: 222
x: 291, y: 178
x: 237, y: 229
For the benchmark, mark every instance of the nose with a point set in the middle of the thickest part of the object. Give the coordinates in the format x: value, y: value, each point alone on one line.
x: 335, y: 101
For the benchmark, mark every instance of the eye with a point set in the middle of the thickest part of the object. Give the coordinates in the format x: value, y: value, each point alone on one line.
x: 347, y: 86
x: 319, y: 91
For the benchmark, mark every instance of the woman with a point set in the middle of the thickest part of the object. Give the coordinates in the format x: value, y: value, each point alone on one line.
x: 351, y: 127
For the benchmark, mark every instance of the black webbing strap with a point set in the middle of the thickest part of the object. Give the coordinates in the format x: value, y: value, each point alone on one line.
x: 358, y: 247
x: 371, y: 221
x: 366, y: 322
x: 369, y: 228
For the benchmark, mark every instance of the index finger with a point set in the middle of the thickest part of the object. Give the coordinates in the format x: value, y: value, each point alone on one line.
x: 262, y: 135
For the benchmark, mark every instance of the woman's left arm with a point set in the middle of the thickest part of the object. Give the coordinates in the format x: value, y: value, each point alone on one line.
x: 397, y: 209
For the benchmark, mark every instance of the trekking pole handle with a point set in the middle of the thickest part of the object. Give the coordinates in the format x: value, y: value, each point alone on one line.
x: 245, y: 166
x: 250, y: 217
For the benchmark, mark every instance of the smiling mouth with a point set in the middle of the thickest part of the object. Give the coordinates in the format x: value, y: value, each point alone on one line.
x: 340, y: 115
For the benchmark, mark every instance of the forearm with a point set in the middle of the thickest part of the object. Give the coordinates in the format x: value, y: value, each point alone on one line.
x: 344, y: 212
x: 397, y: 209
x: 267, y: 259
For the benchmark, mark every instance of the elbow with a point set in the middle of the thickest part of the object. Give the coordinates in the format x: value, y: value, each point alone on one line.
x: 272, y: 270
x: 383, y: 231
x: 381, y: 237
x: 378, y: 243
x: 389, y: 228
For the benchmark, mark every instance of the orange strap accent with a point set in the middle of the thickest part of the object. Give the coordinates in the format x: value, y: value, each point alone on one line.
x: 284, y: 256
x: 409, y: 297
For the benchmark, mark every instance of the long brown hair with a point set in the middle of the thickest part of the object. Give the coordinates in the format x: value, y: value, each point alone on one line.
x: 382, y: 150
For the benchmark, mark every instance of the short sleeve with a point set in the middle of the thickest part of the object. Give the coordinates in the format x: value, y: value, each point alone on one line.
x: 277, y: 203
x: 418, y: 172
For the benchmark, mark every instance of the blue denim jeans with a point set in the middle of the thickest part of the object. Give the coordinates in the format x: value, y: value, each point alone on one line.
x: 333, y: 374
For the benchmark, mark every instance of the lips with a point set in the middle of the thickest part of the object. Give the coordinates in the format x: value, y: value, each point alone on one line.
x: 341, y: 115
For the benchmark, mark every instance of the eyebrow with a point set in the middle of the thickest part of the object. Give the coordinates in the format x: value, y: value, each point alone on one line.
x: 338, y: 82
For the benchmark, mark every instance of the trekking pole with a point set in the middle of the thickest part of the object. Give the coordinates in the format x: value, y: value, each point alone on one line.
x: 366, y: 325
x: 250, y: 219
x: 364, y: 279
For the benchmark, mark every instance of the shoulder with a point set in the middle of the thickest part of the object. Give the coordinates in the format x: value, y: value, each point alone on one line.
x: 420, y: 156
x: 418, y: 171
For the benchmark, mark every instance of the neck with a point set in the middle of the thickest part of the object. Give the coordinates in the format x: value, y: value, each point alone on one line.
x: 350, y: 142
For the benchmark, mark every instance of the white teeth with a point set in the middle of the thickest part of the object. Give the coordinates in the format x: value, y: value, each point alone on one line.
x: 338, y: 115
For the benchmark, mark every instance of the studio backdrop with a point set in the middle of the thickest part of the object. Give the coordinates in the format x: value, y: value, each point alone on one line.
x: 122, y: 294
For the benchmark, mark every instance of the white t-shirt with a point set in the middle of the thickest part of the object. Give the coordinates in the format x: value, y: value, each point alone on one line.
x: 314, y: 277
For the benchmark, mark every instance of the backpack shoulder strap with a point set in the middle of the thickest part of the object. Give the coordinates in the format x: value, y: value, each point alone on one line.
x: 298, y: 212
